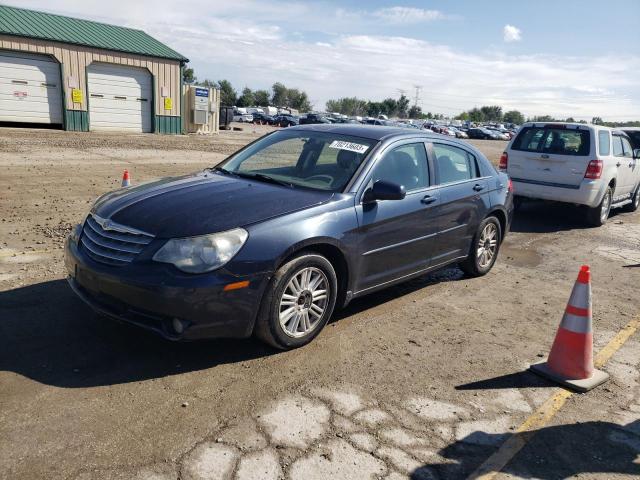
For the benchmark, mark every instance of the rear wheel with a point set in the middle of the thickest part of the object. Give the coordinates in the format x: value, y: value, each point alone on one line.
x: 298, y: 302
x: 597, y: 216
x: 635, y: 201
x: 484, y: 249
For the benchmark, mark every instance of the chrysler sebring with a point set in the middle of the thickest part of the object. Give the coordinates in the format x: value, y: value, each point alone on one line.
x: 302, y: 220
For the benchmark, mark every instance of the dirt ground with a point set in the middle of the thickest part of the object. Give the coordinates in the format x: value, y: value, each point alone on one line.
x: 423, y: 380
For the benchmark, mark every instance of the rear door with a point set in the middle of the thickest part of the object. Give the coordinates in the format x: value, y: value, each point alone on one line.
x: 464, y: 200
x: 627, y: 168
x: 554, y: 155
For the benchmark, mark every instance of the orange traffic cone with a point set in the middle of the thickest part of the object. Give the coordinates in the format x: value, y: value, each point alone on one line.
x: 126, y: 181
x: 570, y: 362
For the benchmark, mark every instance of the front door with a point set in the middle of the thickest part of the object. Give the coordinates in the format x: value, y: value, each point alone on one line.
x: 464, y: 201
x: 397, y: 237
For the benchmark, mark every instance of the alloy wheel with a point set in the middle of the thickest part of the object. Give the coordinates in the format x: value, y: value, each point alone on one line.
x: 487, y: 245
x: 303, y: 302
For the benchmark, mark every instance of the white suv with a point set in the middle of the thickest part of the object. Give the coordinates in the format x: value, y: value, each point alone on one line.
x: 574, y: 163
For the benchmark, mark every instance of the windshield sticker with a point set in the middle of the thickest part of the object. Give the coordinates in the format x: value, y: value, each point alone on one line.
x: 352, y: 147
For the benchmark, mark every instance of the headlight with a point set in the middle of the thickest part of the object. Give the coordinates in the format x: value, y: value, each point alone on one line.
x: 204, y: 253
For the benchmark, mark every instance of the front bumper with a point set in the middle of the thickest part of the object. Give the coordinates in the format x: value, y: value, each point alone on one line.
x: 589, y: 192
x: 152, y: 295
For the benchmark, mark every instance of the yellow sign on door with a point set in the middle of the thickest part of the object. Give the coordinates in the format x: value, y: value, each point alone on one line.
x: 76, y: 95
x: 168, y: 103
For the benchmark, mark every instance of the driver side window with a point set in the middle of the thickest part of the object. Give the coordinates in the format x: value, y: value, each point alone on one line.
x: 405, y: 165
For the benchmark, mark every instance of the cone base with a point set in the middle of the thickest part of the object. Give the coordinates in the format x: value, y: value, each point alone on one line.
x: 598, y: 378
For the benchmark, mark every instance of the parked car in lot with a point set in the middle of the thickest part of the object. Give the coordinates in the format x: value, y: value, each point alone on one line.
x: 312, y: 118
x: 479, y: 133
x: 262, y: 119
x: 581, y: 164
x: 285, y: 120
x: 243, y: 117
x: 276, y: 236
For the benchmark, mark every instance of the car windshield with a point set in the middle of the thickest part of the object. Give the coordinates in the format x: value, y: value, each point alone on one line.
x: 298, y: 158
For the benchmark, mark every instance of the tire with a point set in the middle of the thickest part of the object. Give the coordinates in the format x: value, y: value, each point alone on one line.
x: 597, y: 216
x: 290, y: 332
x: 635, y: 202
x: 477, y: 264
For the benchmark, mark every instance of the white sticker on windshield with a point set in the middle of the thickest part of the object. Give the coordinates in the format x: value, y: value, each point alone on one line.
x: 352, y: 147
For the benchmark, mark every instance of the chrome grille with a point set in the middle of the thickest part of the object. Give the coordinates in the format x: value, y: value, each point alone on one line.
x: 108, y: 242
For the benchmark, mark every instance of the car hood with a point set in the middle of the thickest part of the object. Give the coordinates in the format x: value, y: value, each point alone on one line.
x: 202, y: 203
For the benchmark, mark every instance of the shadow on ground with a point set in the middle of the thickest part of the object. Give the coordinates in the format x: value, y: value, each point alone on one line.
x: 599, y: 448
x: 547, y: 217
x: 49, y: 335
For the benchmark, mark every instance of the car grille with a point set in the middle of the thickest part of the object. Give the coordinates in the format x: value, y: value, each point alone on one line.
x: 108, y: 242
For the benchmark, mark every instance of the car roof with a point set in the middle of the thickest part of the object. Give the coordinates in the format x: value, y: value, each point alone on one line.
x: 372, y: 132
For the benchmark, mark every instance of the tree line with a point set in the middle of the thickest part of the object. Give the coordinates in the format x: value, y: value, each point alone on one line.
x: 279, y: 96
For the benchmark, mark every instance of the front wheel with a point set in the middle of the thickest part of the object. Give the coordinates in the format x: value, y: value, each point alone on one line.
x: 597, y: 216
x: 298, y: 302
x: 484, y: 248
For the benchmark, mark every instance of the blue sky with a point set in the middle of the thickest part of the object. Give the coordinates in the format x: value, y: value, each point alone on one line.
x: 577, y: 58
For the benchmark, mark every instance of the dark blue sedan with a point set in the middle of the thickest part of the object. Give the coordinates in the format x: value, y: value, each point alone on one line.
x: 273, y: 238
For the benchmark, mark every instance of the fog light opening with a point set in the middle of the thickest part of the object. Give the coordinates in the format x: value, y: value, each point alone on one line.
x: 178, y: 326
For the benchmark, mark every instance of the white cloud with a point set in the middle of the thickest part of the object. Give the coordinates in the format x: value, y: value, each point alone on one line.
x: 401, y: 15
x: 512, y: 34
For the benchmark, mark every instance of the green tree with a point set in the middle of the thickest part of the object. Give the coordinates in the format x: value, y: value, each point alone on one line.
x: 279, y: 98
x: 491, y: 113
x: 476, y: 115
x: 597, y: 121
x: 188, y: 76
x: 402, y: 107
x: 261, y: 98
x: 415, y: 112
x: 228, y: 96
x: 247, y: 98
x: 347, y: 106
x: 543, y: 118
x: 513, y: 116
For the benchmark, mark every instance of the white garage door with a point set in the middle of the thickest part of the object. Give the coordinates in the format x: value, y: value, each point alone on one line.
x: 119, y: 98
x: 30, y: 89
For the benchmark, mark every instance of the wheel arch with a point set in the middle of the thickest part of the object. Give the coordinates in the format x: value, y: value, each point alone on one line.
x: 333, y: 251
x: 502, y: 218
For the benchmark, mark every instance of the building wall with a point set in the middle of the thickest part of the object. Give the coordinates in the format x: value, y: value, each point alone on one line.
x: 75, y: 58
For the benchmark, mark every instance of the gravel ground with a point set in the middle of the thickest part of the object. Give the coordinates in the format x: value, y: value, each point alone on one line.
x: 423, y: 380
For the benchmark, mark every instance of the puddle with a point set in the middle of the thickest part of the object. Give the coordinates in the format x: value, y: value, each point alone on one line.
x: 520, y: 257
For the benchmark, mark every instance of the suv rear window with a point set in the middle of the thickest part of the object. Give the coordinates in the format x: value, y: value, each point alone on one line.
x: 554, y: 140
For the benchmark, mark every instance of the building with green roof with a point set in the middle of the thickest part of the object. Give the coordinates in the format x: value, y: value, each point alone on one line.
x: 86, y: 75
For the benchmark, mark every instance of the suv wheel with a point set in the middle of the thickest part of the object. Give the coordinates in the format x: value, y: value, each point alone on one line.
x: 635, y: 201
x: 484, y: 249
x: 597, y: 216
x: 298, y: 302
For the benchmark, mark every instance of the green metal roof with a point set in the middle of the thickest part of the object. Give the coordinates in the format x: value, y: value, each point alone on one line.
x: 47, y: 26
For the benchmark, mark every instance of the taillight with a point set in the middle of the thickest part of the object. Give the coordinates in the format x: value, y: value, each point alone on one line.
x: 504, y: 161
x: 510, y: 186
x: 594, y: 170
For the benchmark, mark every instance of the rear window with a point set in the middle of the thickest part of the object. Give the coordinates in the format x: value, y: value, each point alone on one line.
x: 604, y: 143
x: 553, y: 140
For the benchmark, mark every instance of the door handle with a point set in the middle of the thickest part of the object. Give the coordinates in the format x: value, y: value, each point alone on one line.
x: 427, y: 199
x: 477, y: 187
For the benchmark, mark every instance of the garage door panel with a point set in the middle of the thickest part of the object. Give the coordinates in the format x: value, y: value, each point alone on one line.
x: 30, y: 89
x: 114, y: 98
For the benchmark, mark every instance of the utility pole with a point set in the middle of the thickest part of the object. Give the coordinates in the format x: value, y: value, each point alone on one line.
x: 416, y: 99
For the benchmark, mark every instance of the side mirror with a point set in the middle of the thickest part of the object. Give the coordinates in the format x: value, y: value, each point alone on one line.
x: 383, y: 190
x: 636, y: 153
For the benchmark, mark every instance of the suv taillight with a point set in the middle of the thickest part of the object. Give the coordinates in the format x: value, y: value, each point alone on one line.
x: 504, y: 161
x: 594, y: 170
